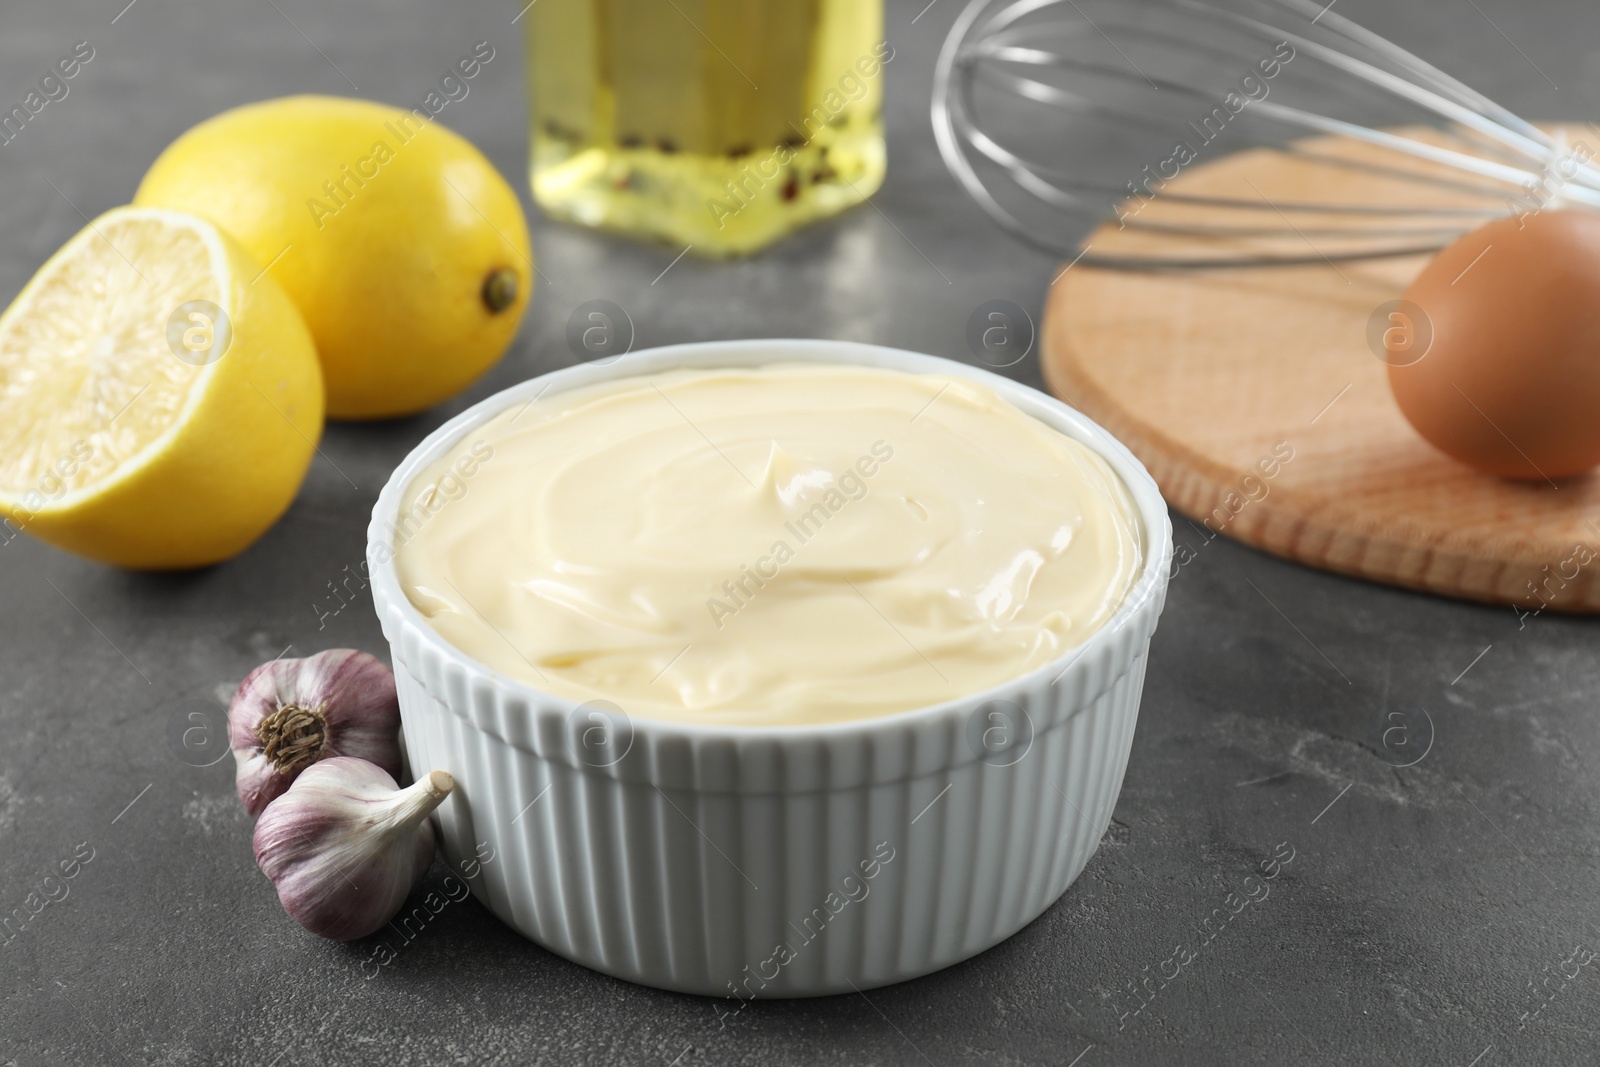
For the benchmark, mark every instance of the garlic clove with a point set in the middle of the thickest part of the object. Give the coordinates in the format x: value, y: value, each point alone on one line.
x: 345, y: 846
x: 290, y: 713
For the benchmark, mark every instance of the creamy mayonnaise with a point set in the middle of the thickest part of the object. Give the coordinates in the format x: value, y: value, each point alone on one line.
x: 799, y: 543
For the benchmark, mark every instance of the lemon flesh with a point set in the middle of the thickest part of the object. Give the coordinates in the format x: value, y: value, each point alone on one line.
x: 85, y: 363
x: 159, y: 400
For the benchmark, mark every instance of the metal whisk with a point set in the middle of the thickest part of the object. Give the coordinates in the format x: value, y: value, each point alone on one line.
x: 1039, y: 105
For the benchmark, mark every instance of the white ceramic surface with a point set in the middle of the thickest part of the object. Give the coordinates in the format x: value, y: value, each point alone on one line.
x: 683, y: 856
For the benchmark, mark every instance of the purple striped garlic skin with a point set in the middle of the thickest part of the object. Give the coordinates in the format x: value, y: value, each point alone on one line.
x: 345, y: 846
x: 291, y: 713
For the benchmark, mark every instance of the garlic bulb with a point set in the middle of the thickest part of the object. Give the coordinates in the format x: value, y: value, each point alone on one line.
x: 290, y: 713
x: 345, y: 845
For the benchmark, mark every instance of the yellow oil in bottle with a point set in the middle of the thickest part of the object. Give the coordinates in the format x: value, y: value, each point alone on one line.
x: 721, y: 124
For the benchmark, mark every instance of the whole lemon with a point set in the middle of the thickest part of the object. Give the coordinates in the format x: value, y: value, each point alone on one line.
x: 402, y: 246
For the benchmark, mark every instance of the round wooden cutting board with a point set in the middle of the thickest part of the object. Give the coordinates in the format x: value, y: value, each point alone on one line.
x: 1254, y: 397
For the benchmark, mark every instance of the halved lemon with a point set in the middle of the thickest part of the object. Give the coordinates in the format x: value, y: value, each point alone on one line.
x: 160, y: 399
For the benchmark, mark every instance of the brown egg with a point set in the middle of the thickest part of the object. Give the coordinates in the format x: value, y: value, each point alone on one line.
x: 1510, y: 382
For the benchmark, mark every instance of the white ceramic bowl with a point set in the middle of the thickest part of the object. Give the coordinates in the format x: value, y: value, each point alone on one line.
x: 782, y: 861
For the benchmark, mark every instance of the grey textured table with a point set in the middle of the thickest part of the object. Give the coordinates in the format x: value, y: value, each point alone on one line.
x: 1426, y: 917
